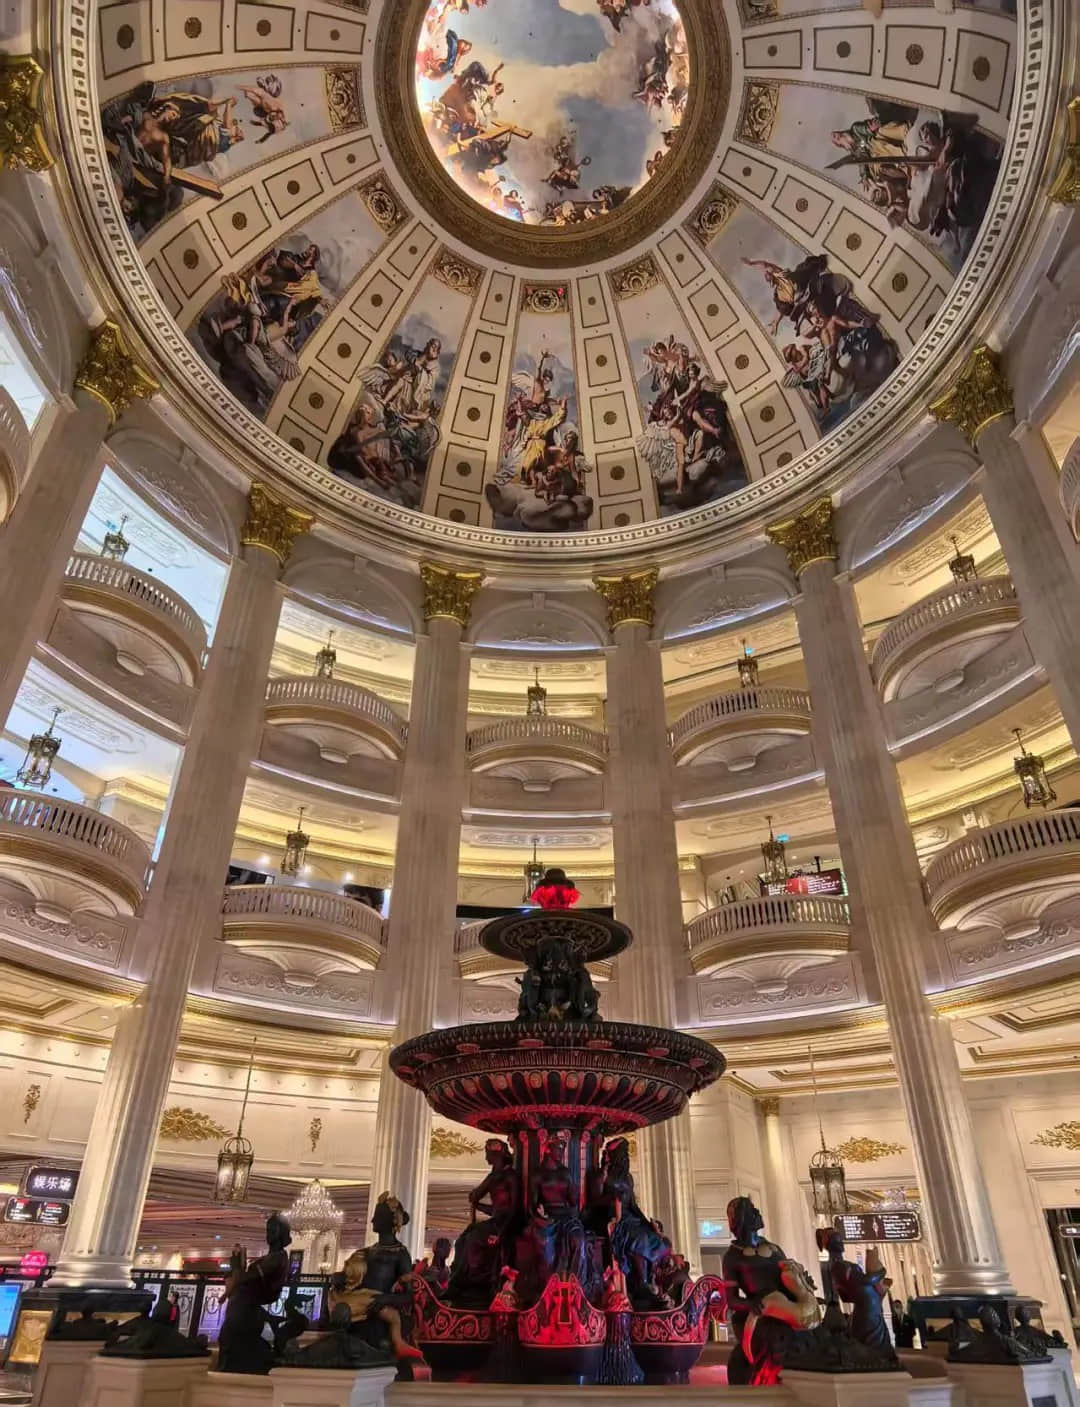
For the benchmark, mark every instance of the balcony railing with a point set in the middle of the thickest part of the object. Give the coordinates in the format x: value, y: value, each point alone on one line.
x: 78, y: 829
x: 103, y: 573
x: 556, y: 734
x: 740, y: 704
x: 296, y: 902
x: 338, y: 694
x: 1007, y: 841
x: 956, y: 602
x: 806, y: 923
x: 467, y: 937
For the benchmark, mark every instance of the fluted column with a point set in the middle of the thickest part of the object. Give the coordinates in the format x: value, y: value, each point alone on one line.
x: 647, y: 893
x: 423, y: 900
x: 38, y: 537
x: 883, y: 872
x: 1019, y: 486
x: 789, y: 1221
x: 183, y: 908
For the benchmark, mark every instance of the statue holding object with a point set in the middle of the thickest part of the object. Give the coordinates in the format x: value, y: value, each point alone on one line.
x: 637, y: 1246
x: 484, y: 1247
x: 861, y: 1289
x: 242, y: 1347
x: 374, y: 1284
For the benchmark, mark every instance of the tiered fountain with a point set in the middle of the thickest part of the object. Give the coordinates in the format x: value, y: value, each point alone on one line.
x: 566, y: 1279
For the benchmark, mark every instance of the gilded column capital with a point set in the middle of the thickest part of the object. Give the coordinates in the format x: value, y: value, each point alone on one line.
x: 978, y: 396
x: 449, y: 592
x: 1066, y: 189
x: 629, y: 598
x: 808, y: 537
x: 272, y: 523
x: 22, y: 131
x: 111, y: 374
x: 769, y: 1104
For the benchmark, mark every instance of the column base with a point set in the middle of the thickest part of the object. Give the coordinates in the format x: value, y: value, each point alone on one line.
x: 934, y: 1314
x: 37, y: 1307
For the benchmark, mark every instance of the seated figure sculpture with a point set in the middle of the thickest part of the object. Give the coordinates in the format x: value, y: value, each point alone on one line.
x: 485, y: 1247
x: 555, y: 1235
x: 859, y: 1288
x: 242, y: 1347
x: 637, y: 1246
x: 368, y: 1280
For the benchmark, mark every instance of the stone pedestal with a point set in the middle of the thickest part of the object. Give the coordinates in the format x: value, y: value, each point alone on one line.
x: 1032, y: 1385
x: 849, y: 1389
x: 229, y: 1390
x: 61, y: 1372
x: 545, y: 1395
x: 330, y: 1387
x: 141, y: 1382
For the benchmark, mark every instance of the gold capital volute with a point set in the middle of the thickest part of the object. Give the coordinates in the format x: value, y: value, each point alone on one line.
x: 979, y: 395
x: 629, y: 597
x: 808, y: 537
x: 110, y: 374
x: 449, y: 591
x: 272, y: 523
x: 22, y: 130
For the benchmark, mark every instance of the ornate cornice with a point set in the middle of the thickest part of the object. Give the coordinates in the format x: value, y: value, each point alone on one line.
x: 979, y: 395
x: 110, y: 374
x: 273, y: 524
x: 1066, y: 189
x: 449, y: 592
x: 629, y: 598
x: 22, y: 133
x: 808, y: 537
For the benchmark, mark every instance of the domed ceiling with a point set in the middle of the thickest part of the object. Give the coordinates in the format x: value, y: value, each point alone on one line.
x: 547, y: 266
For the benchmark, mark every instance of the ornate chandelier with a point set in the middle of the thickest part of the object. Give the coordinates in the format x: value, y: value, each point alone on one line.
x: 41, y: 752
x: 237, y: 1155
x: 326, y: 658
x: 962, y: 565
x: 314, y: 1211
x: 115, y: 544
x: 775, y: 858
x: 747, y: 666
x: 827, y: 1180
x: 296, y: 845
x: 536, y: 694
x: 534, y: 873
x: 1034, y: 783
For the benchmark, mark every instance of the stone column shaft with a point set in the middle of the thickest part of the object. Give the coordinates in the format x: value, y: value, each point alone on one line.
x: 789, y: 1221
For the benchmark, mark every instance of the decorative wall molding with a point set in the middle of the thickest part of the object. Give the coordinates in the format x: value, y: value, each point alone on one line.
x: 346, y: 994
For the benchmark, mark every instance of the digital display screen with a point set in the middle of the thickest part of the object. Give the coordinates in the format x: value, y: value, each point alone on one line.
x: 9, y: 1307
x: 879, y: 1226
x: 38, y: 1211
x: 817, y: 882
x: 59, y: 1184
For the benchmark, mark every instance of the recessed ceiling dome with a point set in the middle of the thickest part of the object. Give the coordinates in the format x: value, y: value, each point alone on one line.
x: 730, y: 267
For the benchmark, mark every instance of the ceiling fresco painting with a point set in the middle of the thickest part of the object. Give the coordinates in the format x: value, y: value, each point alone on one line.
x: 552, y: 112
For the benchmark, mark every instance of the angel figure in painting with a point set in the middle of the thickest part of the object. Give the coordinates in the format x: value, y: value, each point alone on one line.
x: 566, y: 174
x: 267, y: 107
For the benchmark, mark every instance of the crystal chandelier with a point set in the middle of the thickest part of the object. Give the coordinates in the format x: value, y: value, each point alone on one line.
x: 41, y: 752
x: 962, y: 565
x: 296, y: 844
x: 115, y: 544
x: 326, y: 658
x: 747, y: 666
x: 1034, y: 783
x: 536, y: 707
x: 775, y: 857
x: 827, y: 1180
x: 534, y: 873
x: 314, y: 1211
x: 237, y: 1155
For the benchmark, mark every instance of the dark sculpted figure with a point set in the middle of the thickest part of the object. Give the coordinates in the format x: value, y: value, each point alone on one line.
x: 637, y: 1247
x: 484, y: 1247
x: 859, y: 1288
x: 242, y: 1347
x: 155, y: 1337
x: 768, y: 1298
x: 555, y: 1232
x: 557, y: 985
x: 368, y: 1284
x: 437, y: 1274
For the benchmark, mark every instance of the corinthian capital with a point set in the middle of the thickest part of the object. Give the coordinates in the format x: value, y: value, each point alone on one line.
x: 449, y: 592
x: 22, y: 133
x: 808, y: 537
x: 629, y: 598
x: 979, y: 395
x: 111, y: 374
x: 272, y: 523
x: 1066, y: 189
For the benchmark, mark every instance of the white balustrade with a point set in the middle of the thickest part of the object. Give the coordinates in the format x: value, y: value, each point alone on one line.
x: 338, y: 693
x: 772, y: 911
x: 1007, y: 841
x: 739, y: 703
x: 297, y: 902
x: 14, y: 436
x: 467, y: 937
x: 954, y: 602
x: 79, y: 829
x: 85, y: 568
x: 541, y: 731
x: 1070, y: 485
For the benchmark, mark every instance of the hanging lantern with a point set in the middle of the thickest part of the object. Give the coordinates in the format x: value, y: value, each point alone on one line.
x: 534, y: 873
x: 747, y: 666
x: 314, y: 1211
x: 1034, y: 783
x: 41, y: 752
x: 827, y: 1180
x: 325, y: 659
x: 237, y: 1155
x: 536, y: 707
x: 775, y: 858
x: 115, y: 544
x: 296, y: 844
x: 962, y: 565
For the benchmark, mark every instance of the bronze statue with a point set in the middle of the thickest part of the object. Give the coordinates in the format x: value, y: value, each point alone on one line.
x: 155, y: 1337
x: 1034, y: 1338
x: 555, y: 1234
x: 860, y: 1289
x: 368, y: 1283
x: 636, y: 1244
x: 769, y: 1298
x: 340, y: 1348
x: 241, y: 1346
x: 437, y: 1274
x: 557, y: 986
x: 484, y: 1247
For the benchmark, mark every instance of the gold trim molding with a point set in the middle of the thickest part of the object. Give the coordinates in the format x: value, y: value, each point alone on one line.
x: 449, y: 592
x: 273, y: 524
x: 1066, y: 189
x: 1066, y: 1135
x: 808, y: 537
x: 867, y: 1150
x: 22, y: 123
x: 979, y: 396
x: 184, y: 1125
x: 448, y: 1143
x: 110, y: 374
x: 629, y: 598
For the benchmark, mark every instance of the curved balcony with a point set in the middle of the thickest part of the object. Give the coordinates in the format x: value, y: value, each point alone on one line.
x: 71, y: 860
x: 536, y: 751
x: 929, y: 645
x: 736, y: 728
x: 801, y: 929
x: 343, y: 720
x: 306, y: 933
x: 14, y: 451
x: 150, y: 628
x: 1006, y: 876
